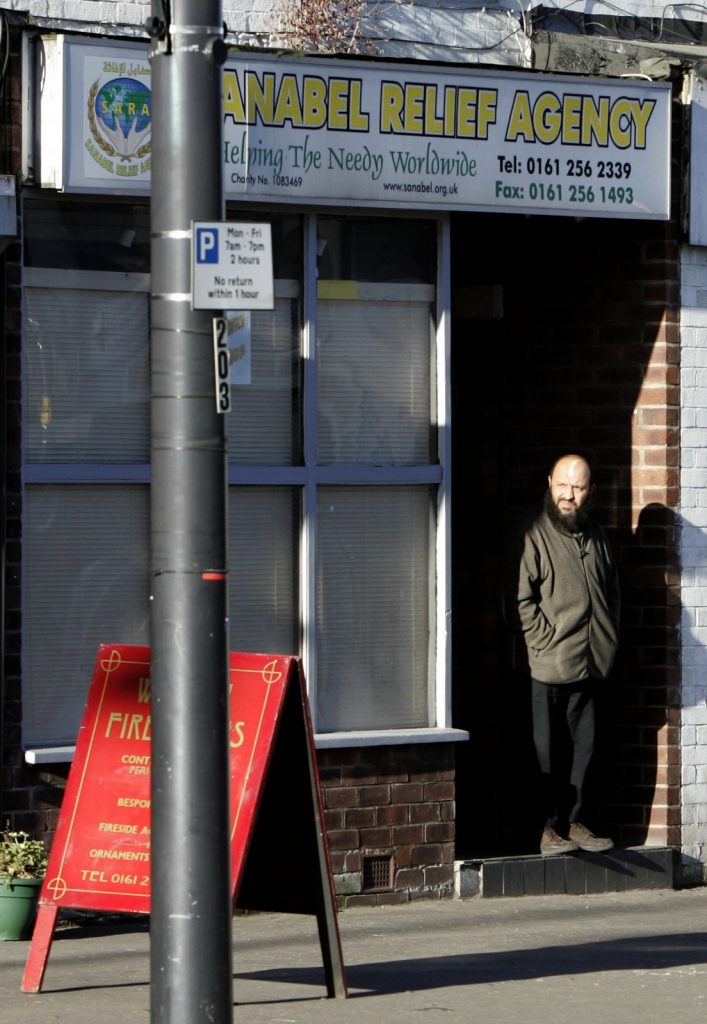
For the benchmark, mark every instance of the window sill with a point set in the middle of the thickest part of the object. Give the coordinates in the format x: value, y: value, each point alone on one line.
x: 49, y: 755
x: 387, y: 737
x: 322, y: 741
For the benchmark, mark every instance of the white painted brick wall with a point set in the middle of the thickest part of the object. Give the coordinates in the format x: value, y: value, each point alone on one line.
x: 122, y: 13
x: 434, y: 29
x: 442, y: 15
x: 429, y: 29
x: 693, y: 557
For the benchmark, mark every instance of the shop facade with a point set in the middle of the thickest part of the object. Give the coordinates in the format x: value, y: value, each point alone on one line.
x: 474, y: 271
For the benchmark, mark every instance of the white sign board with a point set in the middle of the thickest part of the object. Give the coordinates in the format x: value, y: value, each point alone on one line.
x: 231, y: 266
x: 106, y: 94
x: 352, y: 133
x: 424, y: 137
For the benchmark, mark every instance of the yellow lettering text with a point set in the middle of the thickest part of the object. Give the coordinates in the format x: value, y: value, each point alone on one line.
x: 595, y: 121
x: 414, y: 109
x: 579, y: 120
x: 572, y: 121
x: 315, y: 105
x: 237, y: 730
x: 391, y: 108
x: 641, y: 116
x: 232, y: 99
x: 520, y: 120
x: 288, y: 103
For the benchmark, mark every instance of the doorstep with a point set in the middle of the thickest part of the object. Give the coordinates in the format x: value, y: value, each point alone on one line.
x: 635, y: 867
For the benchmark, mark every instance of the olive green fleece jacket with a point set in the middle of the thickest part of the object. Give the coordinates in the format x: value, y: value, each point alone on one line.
x: 566, y: 603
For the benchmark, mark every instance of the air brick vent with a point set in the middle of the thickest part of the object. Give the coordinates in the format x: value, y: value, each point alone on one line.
x: 377, y: 872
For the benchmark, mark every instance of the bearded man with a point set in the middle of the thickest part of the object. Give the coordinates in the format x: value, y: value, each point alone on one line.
x: 564, y: 603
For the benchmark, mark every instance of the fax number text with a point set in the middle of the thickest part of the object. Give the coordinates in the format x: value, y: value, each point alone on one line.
x: 615, y: 195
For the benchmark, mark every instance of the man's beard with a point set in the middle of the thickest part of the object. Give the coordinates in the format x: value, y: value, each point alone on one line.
x: 572, y: 522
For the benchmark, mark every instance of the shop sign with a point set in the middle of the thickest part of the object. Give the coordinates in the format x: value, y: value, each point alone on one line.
x: 423, y: 137
x: 391, y: 135
x: 100, y: 857
x: 103, y: 141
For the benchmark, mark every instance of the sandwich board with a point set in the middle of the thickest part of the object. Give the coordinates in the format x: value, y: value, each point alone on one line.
x: 100, y: 856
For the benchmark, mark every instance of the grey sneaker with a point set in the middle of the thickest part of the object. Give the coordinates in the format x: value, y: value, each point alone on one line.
x: 551, y: 845
x: 586, y: 840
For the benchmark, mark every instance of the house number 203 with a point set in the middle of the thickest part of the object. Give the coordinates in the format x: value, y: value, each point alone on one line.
x: 221, y: 365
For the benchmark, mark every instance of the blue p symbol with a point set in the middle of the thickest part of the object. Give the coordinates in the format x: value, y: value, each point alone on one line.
x: 206, y: 245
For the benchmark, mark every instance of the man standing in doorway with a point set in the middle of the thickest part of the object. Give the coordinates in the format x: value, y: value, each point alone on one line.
x: 564, y: 601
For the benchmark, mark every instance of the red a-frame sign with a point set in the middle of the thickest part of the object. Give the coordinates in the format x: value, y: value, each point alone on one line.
x: 100, y: 857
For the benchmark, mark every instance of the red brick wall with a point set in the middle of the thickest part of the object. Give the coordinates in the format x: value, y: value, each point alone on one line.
x: 393, y: 801
x: 651, y: 654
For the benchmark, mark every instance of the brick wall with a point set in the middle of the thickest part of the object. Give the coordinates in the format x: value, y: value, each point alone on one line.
x: 693, y: 551
x: 396, y: 803
x: 651, y: 659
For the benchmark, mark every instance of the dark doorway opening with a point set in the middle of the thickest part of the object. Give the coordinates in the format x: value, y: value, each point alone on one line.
x: 558, y: 326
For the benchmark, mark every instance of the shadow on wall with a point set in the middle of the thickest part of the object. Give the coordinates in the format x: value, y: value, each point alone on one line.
x: 559, y: 370
x: 638, y: 722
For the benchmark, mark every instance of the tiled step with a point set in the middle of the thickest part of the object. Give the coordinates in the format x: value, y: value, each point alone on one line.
x: 636, y: 867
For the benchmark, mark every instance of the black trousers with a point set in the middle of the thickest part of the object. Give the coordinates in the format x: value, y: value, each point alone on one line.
x: 563, y: 733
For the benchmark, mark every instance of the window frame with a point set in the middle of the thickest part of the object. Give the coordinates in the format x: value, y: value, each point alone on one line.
x: 436, y: 475
x: 308, y: 477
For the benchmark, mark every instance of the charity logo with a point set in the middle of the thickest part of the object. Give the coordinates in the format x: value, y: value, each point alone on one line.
x: 120, y: 117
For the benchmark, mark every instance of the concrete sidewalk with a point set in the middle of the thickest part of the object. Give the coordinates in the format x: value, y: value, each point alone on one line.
x: 616, y: 958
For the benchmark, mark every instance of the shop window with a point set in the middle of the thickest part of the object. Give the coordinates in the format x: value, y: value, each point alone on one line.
x: 264, y: 423
x: 85, y: 582
x: 263, y: 529
x: 82, y: 236
x: 373, y: 616
x: 336, y: 546
x: 86, y: 376
x: 373, y: 379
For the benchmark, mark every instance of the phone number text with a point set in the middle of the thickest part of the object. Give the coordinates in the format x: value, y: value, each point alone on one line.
x: 571, y: 167
x: 554, y: 192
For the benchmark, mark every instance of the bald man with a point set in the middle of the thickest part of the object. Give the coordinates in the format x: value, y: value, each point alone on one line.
x: 565, y: 606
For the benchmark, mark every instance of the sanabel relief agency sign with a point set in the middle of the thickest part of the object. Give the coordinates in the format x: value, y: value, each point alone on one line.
x: 374, y: 134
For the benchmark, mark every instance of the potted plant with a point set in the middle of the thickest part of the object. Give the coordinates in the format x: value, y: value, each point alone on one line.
x: 23, y: 863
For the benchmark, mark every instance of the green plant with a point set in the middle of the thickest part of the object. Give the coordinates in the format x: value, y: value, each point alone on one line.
x: 21, y: 856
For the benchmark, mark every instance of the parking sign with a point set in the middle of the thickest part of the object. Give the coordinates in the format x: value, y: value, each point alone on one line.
x: 232, y: 266
x: 206, y: 245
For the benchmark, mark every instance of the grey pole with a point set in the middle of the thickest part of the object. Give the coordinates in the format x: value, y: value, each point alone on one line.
x: 191, y: 968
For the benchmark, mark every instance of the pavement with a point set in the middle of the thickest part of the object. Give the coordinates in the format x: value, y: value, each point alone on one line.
x: 638, y: 957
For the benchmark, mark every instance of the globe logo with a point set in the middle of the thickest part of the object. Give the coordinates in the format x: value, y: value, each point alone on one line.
x: 120, y: 113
